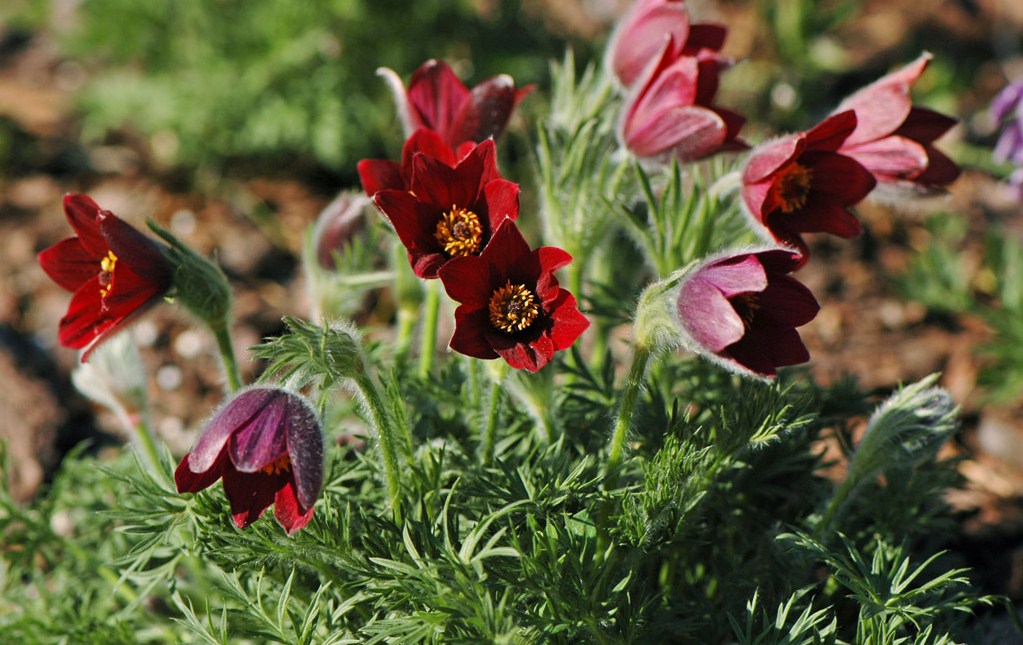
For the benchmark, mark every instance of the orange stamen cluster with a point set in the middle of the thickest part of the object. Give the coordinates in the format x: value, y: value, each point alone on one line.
x: 459, y: 232
x: 792, y: 187
x: 513, y: 308
x: 279, y: 465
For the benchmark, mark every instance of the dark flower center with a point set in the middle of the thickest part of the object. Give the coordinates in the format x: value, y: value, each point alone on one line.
x: 106, y: 273
x: 746, y: 305
x: 279, y: 465
x: 513, y: 308
x: 459, y: 232
x: 791, y: 187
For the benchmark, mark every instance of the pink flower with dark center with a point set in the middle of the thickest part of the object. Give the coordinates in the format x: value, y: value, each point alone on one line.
x: 438, y: 100
x: 800, y: 183
x: 894, y: 139
x: 741, y: 311
x: 671, y: 112
x: 641, y: 34
x: 266, y: 445
x: 449, y: 212
x: 115, y: 272
x: 510, y: 303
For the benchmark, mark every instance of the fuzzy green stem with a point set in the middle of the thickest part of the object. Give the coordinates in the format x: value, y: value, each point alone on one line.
x: 226, y: 347
x: 489, y: 436
x: 387, y: 433
x: 633, y: 385
x: 145, y: 439
x: 428, y: 341
x: 837, y: 500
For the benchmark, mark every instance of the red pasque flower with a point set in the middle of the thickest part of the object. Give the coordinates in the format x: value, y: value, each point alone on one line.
x: 385, y: 174
x: 741, y: 311
x: 438, y: 100
x: 671, y: 111
x: 449, y: 212
x: 266, y: 444
x: 893, y: 139
x: 641, y: 33
x: 511, y: 304
x: 800, y: 183
x: 114, y: 271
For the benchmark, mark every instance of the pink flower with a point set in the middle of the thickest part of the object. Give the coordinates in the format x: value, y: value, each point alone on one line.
x: 800, y: 183
x: 437, y: 100
x: 893, y: 139
x: 671, y: 111
x: 642, y: 32
x: 266, y: 444
x: 741, y: 311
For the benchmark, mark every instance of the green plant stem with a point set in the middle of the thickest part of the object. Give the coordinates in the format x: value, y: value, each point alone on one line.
x: 488, y: 438
x: 633, y: 385
x: 428, y: 342
x: 837, y: 500
x: 381, y: 421
x: 145, y: 439
x: 223, y: 336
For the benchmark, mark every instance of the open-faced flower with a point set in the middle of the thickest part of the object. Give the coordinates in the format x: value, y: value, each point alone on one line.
x: 438, y: 100
x: 114, y: 271
x: 801, y: 184
x: 449, y: 212
x: 510, y: 303
x: 671, y: 111
x: 637, y: 39
x: 893, y: 138
x: 266, y: 445
x: 742, y: 309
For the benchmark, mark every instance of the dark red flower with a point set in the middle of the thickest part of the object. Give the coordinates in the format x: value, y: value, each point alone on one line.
x: 741, y: 310
x: 266, y: 444
x: 893, y: 139
x: 114, y: 271
x: 436, y: 99
x: 385, y: 174
x: 511, y: 304
x: 671, y: 111
x: 449, y: 212
x: 802, y: 184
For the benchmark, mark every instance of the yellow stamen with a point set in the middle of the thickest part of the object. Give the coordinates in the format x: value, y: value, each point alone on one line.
x: 106, y: 273
x: 513, y: 308
x: 281, y: 464
x: 792, y: 187
x: 459, y: 232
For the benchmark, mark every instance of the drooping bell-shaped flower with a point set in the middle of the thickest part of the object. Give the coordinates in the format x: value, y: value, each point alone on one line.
x: 741, y: 310
x: 267, y: 446
x: 115, y: 272
x: 438, y: 100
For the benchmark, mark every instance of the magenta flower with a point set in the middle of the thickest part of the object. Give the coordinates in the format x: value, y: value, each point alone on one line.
x: 671, y: 111
x: 437, y: 100
x: 115, y: 273
x: 1007, y: 110
x: 510, y: 303
x: 741, y: 311
x: 894, y: 139
x: 637, y: 40
x: 800, y: 183
x: 449, y: 212
x: 266, y: 444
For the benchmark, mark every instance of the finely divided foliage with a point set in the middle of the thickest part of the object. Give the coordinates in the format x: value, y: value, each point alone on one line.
x: 541, y: 482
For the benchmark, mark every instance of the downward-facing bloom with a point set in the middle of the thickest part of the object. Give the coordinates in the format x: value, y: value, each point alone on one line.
x: 266, y: 445
x: 800, y: 183
x: 386, y: 174
x: 893, y: 138
x: 449, y: 212
x: 641, y: 33
x: 438, y: 100
x: 114, y: 271
x: 671, y: 111
x: 741, y: 310
x: 511, y: 304
x: 1007, y: 110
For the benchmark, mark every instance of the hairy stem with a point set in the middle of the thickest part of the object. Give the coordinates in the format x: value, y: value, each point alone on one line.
x: 623, y: 421
x: 428, y: 342
x: 489, y: 435
x: 223, y: 336
x: 390, y: 442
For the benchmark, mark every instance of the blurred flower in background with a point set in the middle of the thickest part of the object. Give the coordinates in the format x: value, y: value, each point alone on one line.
x: 1007, y: 110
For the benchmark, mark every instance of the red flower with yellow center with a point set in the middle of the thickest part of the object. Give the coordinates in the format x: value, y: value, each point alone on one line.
x: 510, y: 303
x: 802, y: 184
x: 266, y: 445
x: 114, y: 271
x: 449, y: 212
